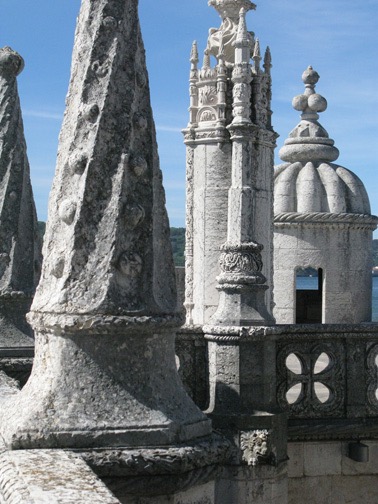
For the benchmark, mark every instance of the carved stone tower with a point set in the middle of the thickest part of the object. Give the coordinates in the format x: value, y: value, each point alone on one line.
x: 220, y: 97
x: 20, y: 259
x: 322, y: 220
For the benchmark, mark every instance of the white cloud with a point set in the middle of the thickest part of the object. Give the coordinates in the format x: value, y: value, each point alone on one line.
x: 42, y: 114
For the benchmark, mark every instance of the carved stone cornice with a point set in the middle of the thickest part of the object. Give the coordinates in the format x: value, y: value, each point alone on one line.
x: 211, y: 135
x: 358, y: 221
x: 74, y: 324
x: 170, y: 460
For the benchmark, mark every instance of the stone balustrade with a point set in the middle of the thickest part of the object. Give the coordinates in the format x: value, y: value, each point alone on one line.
x: 325, y: 376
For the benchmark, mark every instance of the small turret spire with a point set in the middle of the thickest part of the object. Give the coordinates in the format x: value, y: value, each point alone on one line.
x: 267, y: 60
x: 242, y: 38
x: 206, y: 59
x: 257, y: 55
x: 194, y: 54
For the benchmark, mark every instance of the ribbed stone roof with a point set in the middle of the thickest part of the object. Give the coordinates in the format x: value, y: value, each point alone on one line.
x: 310, y: 181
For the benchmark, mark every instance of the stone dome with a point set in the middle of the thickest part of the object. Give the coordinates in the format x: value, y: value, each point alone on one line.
x: 310, y: 182
x: 318, y: 187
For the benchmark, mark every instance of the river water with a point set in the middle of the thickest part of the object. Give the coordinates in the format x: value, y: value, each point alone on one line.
x: 312, y: 283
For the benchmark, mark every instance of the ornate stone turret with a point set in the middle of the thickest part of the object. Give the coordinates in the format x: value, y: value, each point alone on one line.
x: 105, y: 309
x: 209, y: 155
x: 322, y: 220
x: 19, y: 241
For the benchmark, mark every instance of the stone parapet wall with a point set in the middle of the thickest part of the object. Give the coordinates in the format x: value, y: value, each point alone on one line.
x: 325, y: 375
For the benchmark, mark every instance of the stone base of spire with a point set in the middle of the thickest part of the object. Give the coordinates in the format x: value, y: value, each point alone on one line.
x: 96, y: 383
x: 242, y: 305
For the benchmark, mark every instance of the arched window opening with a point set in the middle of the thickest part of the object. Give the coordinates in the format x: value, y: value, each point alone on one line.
x: 309, y: 295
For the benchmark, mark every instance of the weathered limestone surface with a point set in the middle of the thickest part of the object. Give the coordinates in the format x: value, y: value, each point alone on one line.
x: 8, y: 386
x: 322, y: 219
x: 49, y: 476
x: 20, y: 259
x: 105, y: 309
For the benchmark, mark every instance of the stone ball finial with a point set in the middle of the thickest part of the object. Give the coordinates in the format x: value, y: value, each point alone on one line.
x: 310, y: 102
x: 310, y: 76
x: 11, y: 63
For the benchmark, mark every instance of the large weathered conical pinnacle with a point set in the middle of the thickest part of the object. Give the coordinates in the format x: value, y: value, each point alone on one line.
x: 19, y: 241
x: 105, y: 310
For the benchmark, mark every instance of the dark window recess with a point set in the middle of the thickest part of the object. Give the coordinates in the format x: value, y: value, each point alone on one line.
x: 309, y: 302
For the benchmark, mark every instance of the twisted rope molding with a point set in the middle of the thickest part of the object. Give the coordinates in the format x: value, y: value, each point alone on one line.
x: 13, y: 490
x: 360, y: 220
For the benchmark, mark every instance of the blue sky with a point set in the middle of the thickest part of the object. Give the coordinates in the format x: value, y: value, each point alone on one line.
x: 339, y: 38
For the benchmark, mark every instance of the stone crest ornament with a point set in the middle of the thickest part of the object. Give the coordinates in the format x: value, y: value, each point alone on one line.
x: 105, y: 311
x: 255, y: 447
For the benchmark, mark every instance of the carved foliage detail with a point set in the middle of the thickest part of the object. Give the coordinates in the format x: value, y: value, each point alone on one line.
x: 234, y: 261
x: 255, y: 446
x: 261, y: 112
x: 208, y: 95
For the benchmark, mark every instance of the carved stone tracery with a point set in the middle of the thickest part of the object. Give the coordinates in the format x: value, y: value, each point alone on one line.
x: 333, y: 376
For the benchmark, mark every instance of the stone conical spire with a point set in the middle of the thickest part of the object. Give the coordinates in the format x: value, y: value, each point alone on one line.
x: 105, y: 310
x: 19, y: 240
x: 309, y: 141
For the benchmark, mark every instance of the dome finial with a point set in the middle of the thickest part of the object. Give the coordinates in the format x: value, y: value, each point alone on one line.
x: 310, y: 102
x: 309, y: 141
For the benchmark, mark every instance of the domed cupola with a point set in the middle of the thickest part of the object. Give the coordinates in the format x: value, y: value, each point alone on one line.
x: 322, y: 220
x: 309, y: 181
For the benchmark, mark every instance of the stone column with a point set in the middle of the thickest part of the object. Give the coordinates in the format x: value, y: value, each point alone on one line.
x: 20, y: 258
x: 105, y: 309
